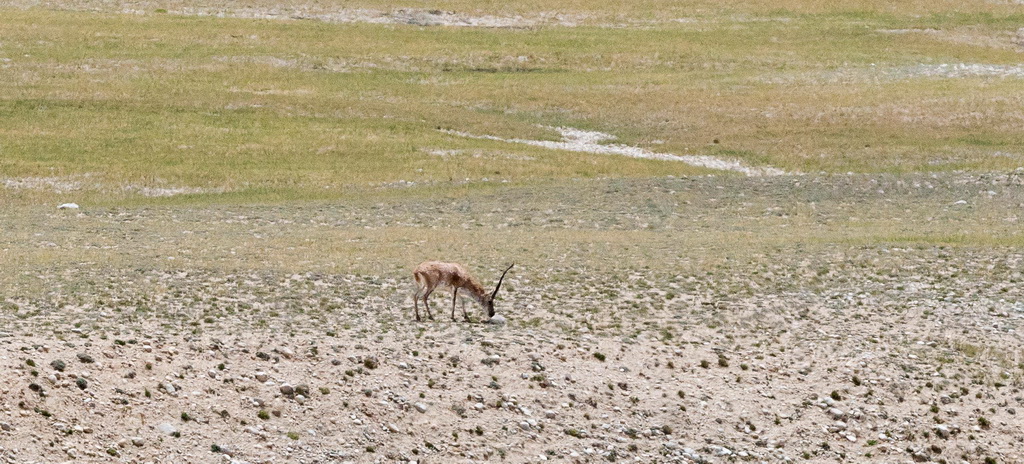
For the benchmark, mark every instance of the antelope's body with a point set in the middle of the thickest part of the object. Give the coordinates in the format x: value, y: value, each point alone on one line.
x: 431, y: 274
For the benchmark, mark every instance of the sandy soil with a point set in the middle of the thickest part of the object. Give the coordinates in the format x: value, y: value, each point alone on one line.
x: 898, y: 355
x: 598, y: 142
x: 315, y: 12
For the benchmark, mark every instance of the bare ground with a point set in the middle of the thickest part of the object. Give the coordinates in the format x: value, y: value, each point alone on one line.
x: 674, y: 350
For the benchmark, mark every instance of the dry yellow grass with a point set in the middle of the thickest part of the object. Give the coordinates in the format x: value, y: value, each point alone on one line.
x: 241, y: 109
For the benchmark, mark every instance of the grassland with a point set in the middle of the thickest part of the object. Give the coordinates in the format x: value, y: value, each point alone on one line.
x: 305, y: 109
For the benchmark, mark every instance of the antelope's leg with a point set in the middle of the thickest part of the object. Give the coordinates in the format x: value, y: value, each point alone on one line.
x: 455, y: 297
x: 426, y: 303
x: 416, y: 302
x: 421, y: 286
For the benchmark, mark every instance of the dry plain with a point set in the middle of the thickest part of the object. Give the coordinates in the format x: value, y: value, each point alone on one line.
x: 631, y: 333
x: 256, y: 181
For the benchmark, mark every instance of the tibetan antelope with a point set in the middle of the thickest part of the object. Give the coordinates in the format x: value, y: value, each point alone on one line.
x: 430, y: 274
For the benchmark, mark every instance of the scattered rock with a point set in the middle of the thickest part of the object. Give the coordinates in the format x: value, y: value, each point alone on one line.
x: 648, y: 391
x: 223, y: 449
x: 166, y: 428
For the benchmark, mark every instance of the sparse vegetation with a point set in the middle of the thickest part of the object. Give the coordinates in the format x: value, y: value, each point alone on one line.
x: 254, y: 189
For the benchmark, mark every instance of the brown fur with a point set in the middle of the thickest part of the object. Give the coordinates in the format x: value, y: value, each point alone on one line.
x: 431, y: 274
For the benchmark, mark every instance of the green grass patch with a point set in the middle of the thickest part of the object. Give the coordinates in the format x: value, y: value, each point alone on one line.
x: 305, y: 109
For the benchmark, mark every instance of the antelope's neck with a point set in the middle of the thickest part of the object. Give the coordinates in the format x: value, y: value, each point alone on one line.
x: 476, y: 291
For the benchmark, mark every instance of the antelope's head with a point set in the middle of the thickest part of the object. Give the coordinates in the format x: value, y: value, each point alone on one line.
x: 489, y: 300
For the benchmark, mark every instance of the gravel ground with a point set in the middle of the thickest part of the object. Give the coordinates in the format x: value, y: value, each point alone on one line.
x: 841, y: 377
x: 790, y: 351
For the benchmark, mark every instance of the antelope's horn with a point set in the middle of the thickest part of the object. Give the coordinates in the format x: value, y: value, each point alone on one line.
x: 500, y: 279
